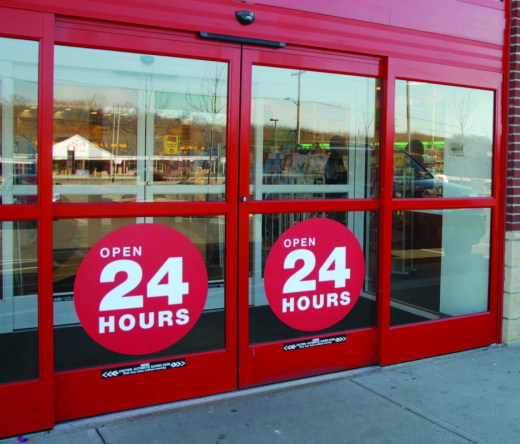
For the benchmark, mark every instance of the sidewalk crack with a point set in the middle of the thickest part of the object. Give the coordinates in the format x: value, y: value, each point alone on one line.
x: 100, y: 436
x: 418, y: 412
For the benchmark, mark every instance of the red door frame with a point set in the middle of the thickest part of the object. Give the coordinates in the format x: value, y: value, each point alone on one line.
x: 77, y: 391
x: 29, y: 405
x: 416, y: 341
x: 267, y: 362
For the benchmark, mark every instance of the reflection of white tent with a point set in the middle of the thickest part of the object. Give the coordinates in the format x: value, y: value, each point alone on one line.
x: 83, y: 150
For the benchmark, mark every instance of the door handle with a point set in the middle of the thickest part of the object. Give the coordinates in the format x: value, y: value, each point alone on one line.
x: 243, y: 199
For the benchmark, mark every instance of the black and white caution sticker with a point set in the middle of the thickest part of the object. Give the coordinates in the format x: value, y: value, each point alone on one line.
x: 316, y: 342
x: 143, y: 368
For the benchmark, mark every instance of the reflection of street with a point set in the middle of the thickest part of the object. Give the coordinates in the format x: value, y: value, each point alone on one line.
x: 21, y: 270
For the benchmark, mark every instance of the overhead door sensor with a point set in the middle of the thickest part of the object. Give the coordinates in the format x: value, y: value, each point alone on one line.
x: 245, y: 17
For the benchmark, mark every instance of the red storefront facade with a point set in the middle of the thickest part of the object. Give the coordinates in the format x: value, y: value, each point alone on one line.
x: 176, y: 114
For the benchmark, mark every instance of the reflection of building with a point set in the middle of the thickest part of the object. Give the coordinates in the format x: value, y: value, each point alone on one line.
x: 78, y: 156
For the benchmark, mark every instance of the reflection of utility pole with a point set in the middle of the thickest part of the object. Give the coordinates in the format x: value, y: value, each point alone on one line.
x: 433, y: 129
x: 275, y: 132
x: 117, y: 141
x: 298, y: 103
x: 408, y: 113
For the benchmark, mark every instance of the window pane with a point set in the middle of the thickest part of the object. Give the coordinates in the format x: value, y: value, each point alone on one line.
x: 19, y: 127
x: 265, y: 229
x: 314, y: 135
x: 18, y: 301
x: 73, y: 239
x: 134, y: 127
x: 440, y: 264
x: 443, y: 141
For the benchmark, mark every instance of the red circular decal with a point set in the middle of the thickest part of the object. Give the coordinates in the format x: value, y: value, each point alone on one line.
x: 140, y: 289
x: 314, y: 274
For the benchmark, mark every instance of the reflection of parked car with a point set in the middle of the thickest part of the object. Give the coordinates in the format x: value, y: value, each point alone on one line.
x: 413, y: 180
x: 457, y: 230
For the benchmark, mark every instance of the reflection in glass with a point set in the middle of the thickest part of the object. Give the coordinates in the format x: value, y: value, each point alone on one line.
x: 18, y: 302
x: 19, y: 126
x: 440, y: 264
x: 314, y: 135
x: 265, y: 229
x: 131, y: 127
x: 73, y: 238
x: 443, y: 141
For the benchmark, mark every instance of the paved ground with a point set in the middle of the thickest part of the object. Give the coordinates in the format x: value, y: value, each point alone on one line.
x: 470, y: 397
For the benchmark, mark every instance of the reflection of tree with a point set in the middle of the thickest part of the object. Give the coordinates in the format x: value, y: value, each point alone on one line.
x: 25, y: 126
x: 463, y: 107
x: 364, y: 122
x: 18, y: 135
x: 208, y: 104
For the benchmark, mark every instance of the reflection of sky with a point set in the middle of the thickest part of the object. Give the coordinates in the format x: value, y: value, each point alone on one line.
x: 117, y: 78
x: 19, y: 62
x: 329, y: 102
x: 444, y: 110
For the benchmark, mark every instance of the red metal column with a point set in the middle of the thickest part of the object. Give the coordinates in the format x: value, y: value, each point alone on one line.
x: 45, y: 235
x: 385, y: 216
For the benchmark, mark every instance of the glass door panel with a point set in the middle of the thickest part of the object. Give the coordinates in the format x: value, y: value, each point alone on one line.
x: 138, y: 128
x: 443, y: 141
x: 19, y: 333
x: 19, y: 338
x: 440, y: 264
x: 73, y: 239
x: 19, y: 114
x: 444, y: 210
x: 264, y: 326
x: 314, y: 135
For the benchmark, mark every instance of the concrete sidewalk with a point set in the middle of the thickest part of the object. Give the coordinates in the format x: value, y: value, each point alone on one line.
x: 469, y: 397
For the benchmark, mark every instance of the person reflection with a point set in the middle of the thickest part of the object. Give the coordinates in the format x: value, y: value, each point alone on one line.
x: 416, y: 149
x: 336, y: 173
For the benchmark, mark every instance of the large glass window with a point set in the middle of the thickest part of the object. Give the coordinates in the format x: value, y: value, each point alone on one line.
x: 443, y: 141
x: 440, y: 264
x: 314, y: 135
x: 19, y: 116
x: 136, y: 127
x: 264, y: 325
x: 73, y: 238
x: 18, y: 301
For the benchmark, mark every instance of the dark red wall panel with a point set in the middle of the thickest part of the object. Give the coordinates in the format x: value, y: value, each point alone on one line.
x: 457, y: 32
x: 483, y: 20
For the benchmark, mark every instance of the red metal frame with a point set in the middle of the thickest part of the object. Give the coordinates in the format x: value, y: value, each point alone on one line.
x: 505, y: 119
x: 29, y: 405
x: 416, y: 341
x: 474, y: 55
